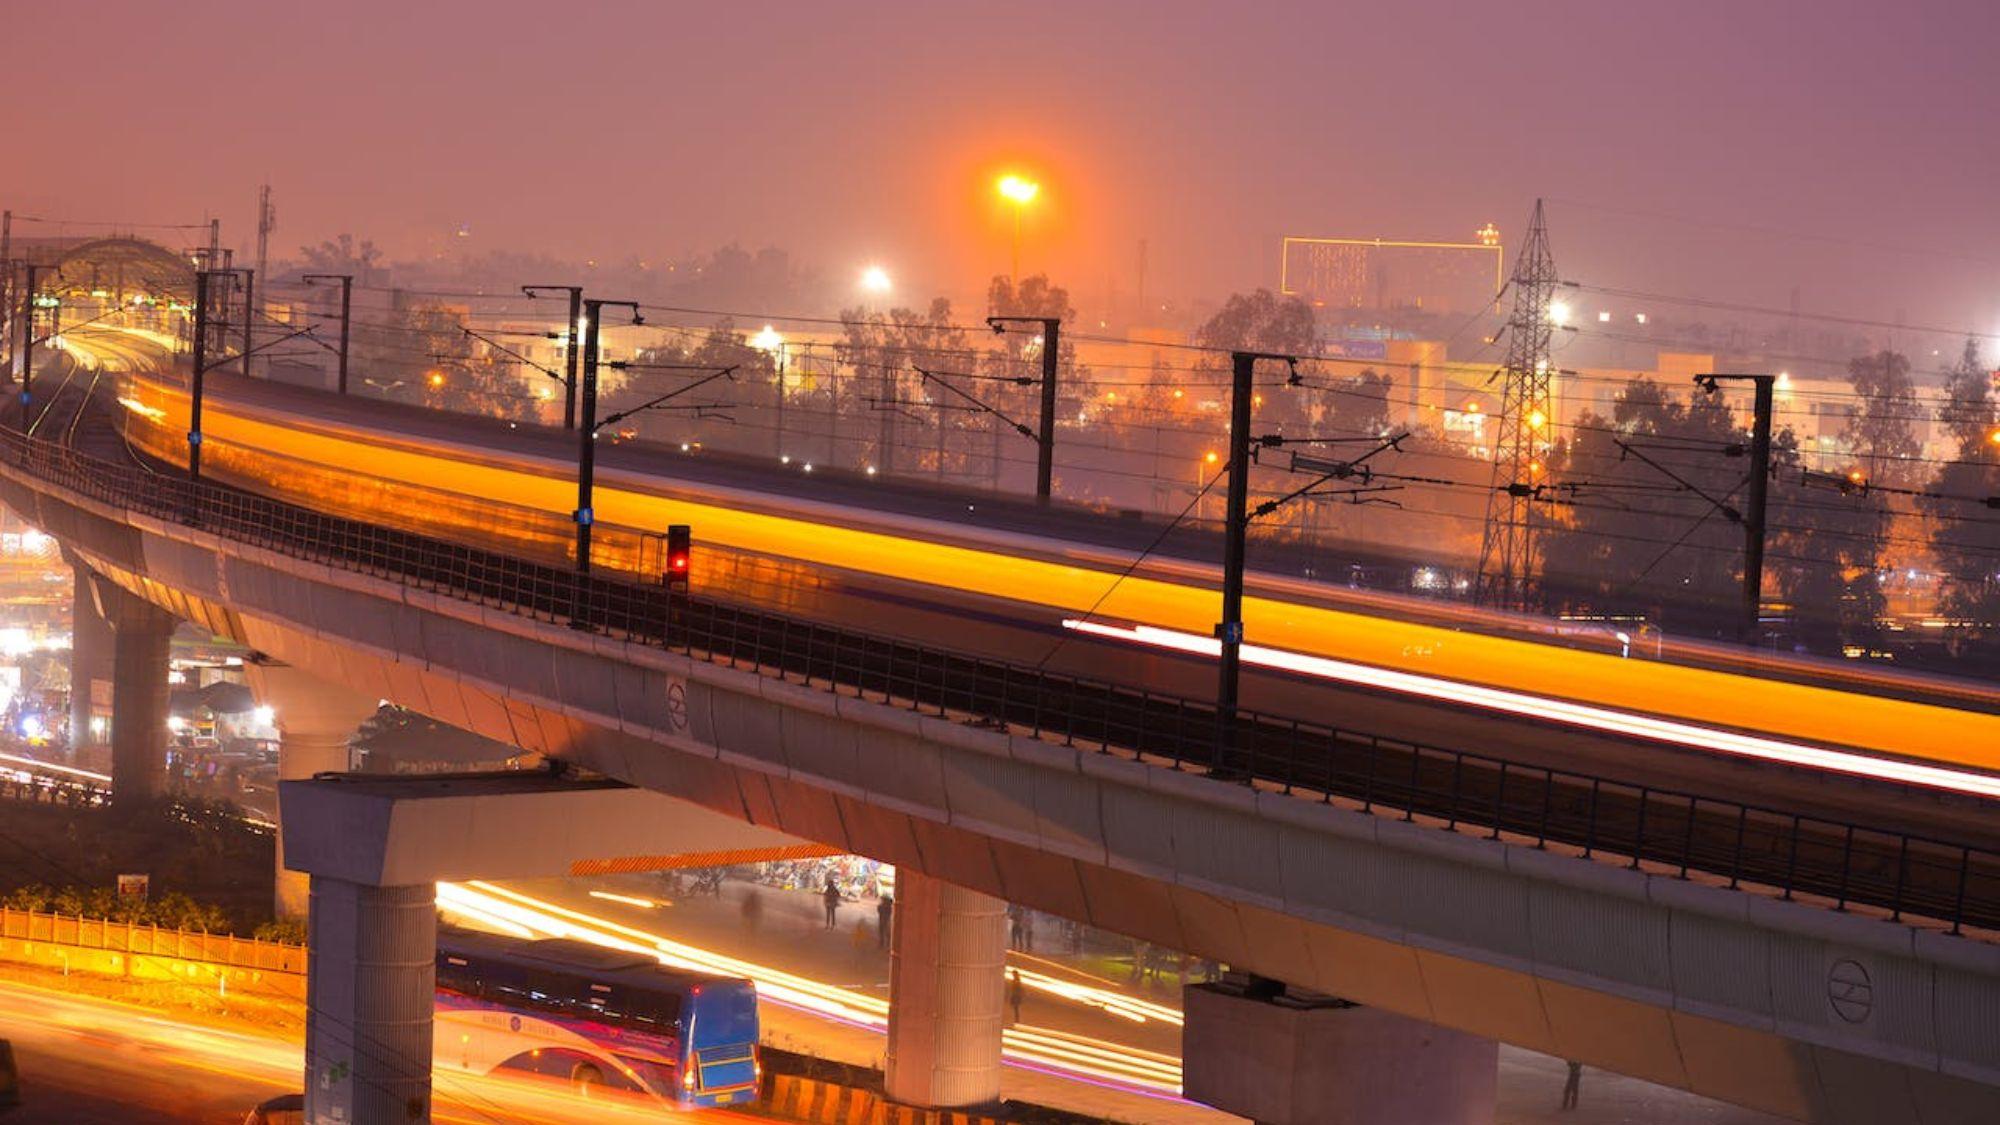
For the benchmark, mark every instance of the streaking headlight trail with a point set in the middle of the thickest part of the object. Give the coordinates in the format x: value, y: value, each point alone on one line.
x: 1586, y: 716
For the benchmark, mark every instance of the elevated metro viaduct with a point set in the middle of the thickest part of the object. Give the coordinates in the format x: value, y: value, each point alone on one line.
x: 1775, y: 1002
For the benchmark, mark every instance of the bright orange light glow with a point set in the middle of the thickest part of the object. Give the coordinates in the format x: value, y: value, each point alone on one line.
x: 1018, y: 190
x: 1994, y: 436
x: 1211, y: 457
x: 1535, y: 467
x: 1537, y: 419
x: 437, y: 379
x: 1854, y: 476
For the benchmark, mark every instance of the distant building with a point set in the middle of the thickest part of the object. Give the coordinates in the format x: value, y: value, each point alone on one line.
x: 1384, y: 274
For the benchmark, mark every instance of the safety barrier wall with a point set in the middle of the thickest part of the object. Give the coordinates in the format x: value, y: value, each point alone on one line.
x: 99, y: 946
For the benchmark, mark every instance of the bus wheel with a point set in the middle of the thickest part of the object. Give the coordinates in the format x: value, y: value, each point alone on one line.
x: 587, y: 1079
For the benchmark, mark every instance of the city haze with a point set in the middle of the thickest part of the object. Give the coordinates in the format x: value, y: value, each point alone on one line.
x: 1841, y: 148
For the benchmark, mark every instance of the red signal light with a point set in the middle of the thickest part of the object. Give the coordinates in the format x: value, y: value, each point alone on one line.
x: 680, y: 554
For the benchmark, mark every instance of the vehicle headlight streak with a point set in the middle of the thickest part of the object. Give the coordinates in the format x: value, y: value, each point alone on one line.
x: 1058, y: 1052
x: 1583, y: 715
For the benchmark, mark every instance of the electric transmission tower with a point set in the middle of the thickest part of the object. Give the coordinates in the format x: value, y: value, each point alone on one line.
x: 1521, y: 447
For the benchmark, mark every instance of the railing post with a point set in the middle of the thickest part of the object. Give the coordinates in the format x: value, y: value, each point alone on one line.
x: 1639, y: 839
x: 1958, y: 904
x: 1902, y: 860
x: 1792, y: 864
x: 1846, y: 866
x: 1687, y: 842
x: 1590, y: 830
x: 1457, y: 783
x: 1736, y: 859
x: 1500, y: 801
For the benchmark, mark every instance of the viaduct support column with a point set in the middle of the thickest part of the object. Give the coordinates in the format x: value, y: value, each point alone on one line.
x: 369, y: 981
x: 948, y: 953
x: 142, y: 634
x: 1296, y: 1060
x: 90, y: 659
x: 315, y: 720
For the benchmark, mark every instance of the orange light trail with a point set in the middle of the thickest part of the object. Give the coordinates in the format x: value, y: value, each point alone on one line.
x: 1556, y: 710
x: 1061, y: 1052
x: 982, y: 561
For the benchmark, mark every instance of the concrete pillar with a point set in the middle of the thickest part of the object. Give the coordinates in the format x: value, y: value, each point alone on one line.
x: 948, y: 953
x: 90, y: 671
x: 142, y: 635
x: 315, y: 719
x: 1288, y: 1060
x: 370, y: 976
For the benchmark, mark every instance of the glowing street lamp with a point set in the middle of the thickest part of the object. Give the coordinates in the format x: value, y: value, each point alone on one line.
x: 1020, y: 192
x: 875, y: 279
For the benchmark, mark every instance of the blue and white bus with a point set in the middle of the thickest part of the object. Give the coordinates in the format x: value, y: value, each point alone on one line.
x: 595, y: 1017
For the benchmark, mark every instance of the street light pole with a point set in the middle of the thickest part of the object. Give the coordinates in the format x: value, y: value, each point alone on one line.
x: 249, y: 315
x: 28, y: 297
x: 1236, y: 527
x: 1759, y: 498
x: 1045, y: 453
x: 346, y: 309
x: 569, y: 345
x: 586, y: 454
x: 201, y: 278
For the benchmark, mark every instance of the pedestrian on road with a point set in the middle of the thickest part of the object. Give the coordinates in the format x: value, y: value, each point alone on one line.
x: 753, y: 910
x: 832, y: 898
x: 1569, y: 1086
x: 885, y: 908
x: 1015, y: 991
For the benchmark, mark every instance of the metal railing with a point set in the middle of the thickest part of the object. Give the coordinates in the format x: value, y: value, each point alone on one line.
x: 1739, y: 844
x: 83, y: 932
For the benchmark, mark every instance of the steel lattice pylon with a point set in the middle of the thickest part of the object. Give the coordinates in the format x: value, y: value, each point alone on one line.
x: 1520, y: 447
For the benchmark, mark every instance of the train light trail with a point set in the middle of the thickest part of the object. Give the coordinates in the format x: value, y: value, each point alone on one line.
x: 1058, y: 1052
x: 1540, y: 707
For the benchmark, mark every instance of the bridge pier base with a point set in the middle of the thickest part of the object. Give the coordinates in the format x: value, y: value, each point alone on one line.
x: 1289, y: 1060
x: 947, y: 991
x: 369, y: 990
x: 142, y: 636
x: 90, y: 664
x: 315, y: 719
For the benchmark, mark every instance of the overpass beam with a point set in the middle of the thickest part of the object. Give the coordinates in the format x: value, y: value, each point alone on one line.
x: 948, y: 954
x: 90, y: 664
x: 315, y: 721
x: 370, y: 979
x: 1306, y: 1060
x: 142, y: 635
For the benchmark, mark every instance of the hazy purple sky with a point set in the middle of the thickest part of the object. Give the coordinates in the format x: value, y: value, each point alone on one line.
x: 870, y: 131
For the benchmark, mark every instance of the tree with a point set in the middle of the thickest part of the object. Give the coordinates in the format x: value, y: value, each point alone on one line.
x: 1881, y: 431
x: 1826, y: 544
x: 1964, y: 538
x: 883, y: 353
x: 1968, y: 412
x: 1633, y: 538
x: 342, y: 254
x: 1361, y: 404
x: 1261, y: 322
